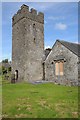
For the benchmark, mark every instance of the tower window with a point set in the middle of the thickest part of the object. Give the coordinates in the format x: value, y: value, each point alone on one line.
x: 34, y: 40
x: 34, y: 25
x: 34, y: 31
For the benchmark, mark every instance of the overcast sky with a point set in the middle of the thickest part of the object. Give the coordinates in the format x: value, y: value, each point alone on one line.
x: 60, y: 22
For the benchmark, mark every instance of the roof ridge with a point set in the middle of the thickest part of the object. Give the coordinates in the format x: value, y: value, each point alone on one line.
x: 69, y: 42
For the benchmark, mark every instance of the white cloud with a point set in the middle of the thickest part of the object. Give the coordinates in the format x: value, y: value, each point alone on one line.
x: 60, y: 26
x: 56, y: 18
x: 43, y: 6
x: 73, y: 23
x: 47, y: 47
x: 76, y: 42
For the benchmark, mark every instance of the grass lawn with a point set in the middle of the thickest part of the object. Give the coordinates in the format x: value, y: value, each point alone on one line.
x: 24, y: 100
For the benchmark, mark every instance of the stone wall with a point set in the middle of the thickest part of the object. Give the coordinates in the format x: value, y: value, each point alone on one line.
x: 28, y: 44
x: 18, y: 48
x: 70, y: 76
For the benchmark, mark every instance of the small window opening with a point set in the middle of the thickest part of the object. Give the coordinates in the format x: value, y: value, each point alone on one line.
x: 34, y: 40
x: 34, y: 25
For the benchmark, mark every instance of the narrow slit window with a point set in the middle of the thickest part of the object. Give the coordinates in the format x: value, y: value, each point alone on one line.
x: 34, y: 40
x: 33, y: 25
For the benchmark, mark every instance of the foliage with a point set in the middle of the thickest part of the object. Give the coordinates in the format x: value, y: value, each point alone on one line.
x: 5, y: 61
x: 9, y: 69
x: 4, y: 70
x: 5, y: 67
x: 24, y: 100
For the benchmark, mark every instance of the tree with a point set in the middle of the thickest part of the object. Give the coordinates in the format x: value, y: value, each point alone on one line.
x: 9, y: 69
x: 4, y: 70
x: 5, y: 61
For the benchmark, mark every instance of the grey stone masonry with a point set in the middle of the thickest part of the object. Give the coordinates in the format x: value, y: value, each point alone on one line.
x: 70, y: 70
x: 28, y: 44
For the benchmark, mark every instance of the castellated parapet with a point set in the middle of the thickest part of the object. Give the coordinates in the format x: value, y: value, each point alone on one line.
x: 25, y: 13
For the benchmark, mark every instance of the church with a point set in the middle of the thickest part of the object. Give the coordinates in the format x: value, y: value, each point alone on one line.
x: 61, y: 64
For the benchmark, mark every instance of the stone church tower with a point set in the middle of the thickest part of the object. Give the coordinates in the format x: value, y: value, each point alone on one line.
x: 28, y: 44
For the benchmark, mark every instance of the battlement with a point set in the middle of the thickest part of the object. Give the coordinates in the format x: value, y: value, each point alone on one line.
x: 24, y: 12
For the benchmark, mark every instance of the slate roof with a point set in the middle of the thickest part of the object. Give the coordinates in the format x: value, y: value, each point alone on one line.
x: 73, y: 47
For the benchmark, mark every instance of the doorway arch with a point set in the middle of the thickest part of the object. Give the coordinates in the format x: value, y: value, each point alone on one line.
x: 16, y: 75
